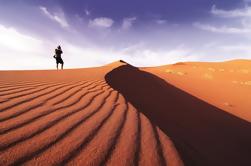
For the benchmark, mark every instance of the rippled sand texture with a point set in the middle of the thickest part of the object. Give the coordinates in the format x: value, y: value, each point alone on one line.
x: 75, y: 117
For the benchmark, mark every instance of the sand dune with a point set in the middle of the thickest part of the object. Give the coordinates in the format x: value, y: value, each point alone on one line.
x: 75, y: 117
x: 119, y: 115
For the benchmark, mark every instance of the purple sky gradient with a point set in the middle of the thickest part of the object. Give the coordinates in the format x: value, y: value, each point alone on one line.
x: 142, y: 32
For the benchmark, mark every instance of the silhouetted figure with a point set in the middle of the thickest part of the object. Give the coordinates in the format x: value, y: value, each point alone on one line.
x: 57, y: 56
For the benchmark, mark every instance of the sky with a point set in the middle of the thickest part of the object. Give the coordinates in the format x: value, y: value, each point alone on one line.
x: 141, y: 32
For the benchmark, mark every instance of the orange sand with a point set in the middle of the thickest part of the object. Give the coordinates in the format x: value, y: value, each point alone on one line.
x: 187, y: 113
x: 226, y: 85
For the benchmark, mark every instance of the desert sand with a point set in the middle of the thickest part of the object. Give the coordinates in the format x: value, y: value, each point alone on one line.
x: 189, y: 113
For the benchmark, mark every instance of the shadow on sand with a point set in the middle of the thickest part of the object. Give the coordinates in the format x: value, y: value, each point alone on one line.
x: 202, y: 133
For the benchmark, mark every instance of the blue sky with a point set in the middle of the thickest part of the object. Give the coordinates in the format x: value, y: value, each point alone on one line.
x: 142, y: 32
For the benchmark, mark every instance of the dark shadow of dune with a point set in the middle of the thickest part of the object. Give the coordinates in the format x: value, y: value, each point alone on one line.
x: 202, y: 133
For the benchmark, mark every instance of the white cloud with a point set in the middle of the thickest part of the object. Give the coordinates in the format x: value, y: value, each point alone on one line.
x: 57, y: 17
x: 236, y: 51
x: 78, y: 57
x: 239, y: 47
x: 160, y: 57
x: 140, y: 55
x: 135, y: 54
x: 222, y: 29
x: 12, y: 39
x: 128, y: 22
x: 102, y: 22
x: 21, y: 51
x: 244, y: 12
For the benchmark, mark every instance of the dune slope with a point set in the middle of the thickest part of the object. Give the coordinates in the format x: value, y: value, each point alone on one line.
x: 74, y: 117
x: 203, y: 134
x: 226, y: 85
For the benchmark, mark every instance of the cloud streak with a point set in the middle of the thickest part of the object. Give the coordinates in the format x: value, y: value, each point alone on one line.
x: 57, y: 17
